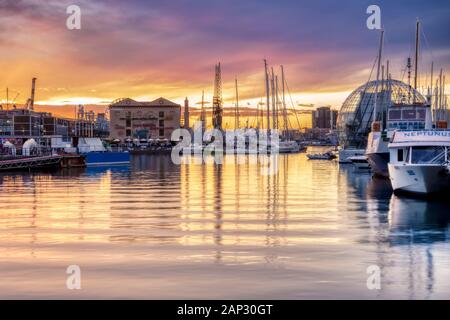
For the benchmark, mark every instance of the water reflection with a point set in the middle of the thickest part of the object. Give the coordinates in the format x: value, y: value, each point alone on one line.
x: 173, y: 231
x: 418, y: 221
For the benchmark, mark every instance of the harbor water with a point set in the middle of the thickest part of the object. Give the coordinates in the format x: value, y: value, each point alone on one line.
x: 156, y: 230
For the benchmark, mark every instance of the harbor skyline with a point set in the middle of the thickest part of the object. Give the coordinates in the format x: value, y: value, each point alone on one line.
x: 144, y: 51
x: 256, y: 150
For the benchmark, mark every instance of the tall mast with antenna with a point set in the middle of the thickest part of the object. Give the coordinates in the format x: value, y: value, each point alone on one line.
x: 416, y: 62
x: 408, y: 66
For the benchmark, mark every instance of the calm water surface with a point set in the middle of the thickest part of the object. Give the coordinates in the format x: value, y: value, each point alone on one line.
x: 158, y: 230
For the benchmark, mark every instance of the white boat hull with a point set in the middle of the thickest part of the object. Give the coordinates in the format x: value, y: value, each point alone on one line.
x: 419, y: 179
x: 345, y: 154
x: 288, y: 147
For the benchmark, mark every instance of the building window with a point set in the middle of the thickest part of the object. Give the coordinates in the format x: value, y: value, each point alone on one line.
x: 161, y: 123
x: 161, y: 114
x: 161, y: 132
x: 128, y: 133
x: 128, y: 123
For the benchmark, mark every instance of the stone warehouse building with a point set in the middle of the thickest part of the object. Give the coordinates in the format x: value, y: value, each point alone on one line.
x: 132, y: 119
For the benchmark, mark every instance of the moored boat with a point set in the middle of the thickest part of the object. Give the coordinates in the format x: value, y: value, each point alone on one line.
x: 360, y: 162
x: 322, y: 156
x: 419, y: 161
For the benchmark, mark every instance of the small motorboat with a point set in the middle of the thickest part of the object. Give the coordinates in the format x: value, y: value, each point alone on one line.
x: 288, y: 146
x: 322, y: 156
x: 360, y: 162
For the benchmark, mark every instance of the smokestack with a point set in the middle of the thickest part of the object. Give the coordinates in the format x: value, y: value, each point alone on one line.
x: 186, y: 113
x: 33, y: 89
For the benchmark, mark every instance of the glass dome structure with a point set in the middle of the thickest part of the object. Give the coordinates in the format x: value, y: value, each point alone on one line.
x: 355, y: 116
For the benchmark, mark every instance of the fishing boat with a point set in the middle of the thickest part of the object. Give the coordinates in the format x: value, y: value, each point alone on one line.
x: 419, y: 161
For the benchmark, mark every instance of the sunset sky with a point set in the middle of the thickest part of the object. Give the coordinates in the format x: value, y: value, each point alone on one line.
x: 147, y: 49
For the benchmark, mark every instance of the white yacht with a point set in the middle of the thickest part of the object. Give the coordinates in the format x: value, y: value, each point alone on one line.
x: 419, y: 161
x: 288, y: 146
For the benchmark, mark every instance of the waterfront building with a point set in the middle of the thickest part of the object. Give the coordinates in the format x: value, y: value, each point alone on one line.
x: 130, y: 119
x: 25, y: 123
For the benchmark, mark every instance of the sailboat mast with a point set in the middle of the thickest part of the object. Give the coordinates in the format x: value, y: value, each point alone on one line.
x: 416, y: 63
x: 272, y: 87
x: 277, y: 102
x: 284, y: 101
x: 440, y: 95
x: 236, y: 118
x: 266, y: 72
x: 380, y: 52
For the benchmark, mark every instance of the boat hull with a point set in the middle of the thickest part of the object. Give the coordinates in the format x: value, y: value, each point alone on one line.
x: 419, y: 179
x: 379, y: 163
x: 345, y: 154
x: 107, y: 158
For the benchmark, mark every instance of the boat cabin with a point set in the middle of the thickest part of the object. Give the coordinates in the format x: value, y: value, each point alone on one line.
x: 429, y: 147
x: 409, y: 117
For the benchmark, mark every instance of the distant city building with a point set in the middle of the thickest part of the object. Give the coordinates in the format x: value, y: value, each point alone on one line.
x: 130, y: 119
x: 24, y: 123
x: 324, y: 118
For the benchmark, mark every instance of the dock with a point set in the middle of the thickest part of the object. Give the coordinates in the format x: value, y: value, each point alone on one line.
x: 41, y: 162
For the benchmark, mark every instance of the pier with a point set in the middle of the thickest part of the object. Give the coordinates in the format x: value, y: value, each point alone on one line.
x: 40, y: 162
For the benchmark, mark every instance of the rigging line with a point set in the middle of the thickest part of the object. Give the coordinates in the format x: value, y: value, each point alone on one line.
x: 292, y: 102
x: 360, y: 101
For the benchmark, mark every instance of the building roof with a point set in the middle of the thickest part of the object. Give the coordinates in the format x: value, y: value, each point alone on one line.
x: 127, y: 102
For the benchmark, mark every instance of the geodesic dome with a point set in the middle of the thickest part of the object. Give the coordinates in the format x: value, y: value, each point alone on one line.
x: 355, y: 116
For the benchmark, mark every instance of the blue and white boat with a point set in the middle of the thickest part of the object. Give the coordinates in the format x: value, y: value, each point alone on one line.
x: 97, y: 155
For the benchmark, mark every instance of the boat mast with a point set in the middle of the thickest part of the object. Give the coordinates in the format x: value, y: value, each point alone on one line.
x: 380, y: 52
x: 236, y: 112
x: 284, y: 101
x: 416, y: 63
x: 440, y: 95
x: 272, y: 87
x: 267, y: 94
x: 277, y: 102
